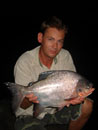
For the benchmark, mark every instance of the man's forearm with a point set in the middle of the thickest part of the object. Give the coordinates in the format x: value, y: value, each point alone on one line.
x: 25, y: 103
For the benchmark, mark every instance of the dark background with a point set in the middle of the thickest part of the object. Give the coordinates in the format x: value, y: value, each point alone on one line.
x: 18, y: 33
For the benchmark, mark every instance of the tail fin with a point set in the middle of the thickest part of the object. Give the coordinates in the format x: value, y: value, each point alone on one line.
x: 16, y: 93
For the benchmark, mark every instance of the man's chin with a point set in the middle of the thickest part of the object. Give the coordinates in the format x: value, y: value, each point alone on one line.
x: 52, y: 56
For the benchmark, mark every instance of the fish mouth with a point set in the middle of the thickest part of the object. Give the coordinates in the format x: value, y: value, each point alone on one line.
x: 86, y: 93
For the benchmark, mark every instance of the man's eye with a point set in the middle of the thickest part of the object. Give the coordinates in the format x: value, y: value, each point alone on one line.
x: 60, y: 42
x: 50, y: 39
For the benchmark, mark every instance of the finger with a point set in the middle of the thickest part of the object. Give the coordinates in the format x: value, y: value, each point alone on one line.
x: 81, y: 99
x: 35, y: 101
x: 33, y: 98
x: 73, y: 102
x: 30, y: 95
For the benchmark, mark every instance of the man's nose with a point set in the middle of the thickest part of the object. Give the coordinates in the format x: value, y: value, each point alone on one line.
x: 55, y: 45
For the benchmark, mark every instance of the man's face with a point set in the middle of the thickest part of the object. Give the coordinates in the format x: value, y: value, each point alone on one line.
x: 51, y: 41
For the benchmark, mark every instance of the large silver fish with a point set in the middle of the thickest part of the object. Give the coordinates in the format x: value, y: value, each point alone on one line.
x: 53, y: 89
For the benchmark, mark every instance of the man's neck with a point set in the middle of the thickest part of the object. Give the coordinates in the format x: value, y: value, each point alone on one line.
x: 47, y: 61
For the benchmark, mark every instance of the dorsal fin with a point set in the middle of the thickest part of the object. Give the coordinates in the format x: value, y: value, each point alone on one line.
x: 45, y: 74
x: 30, y: 84
x: 42, y: 76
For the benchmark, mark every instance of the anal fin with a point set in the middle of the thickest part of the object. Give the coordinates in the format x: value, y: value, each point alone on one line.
x: 38, y: 109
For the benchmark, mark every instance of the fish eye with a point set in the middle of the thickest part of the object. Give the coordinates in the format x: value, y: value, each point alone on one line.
x: 80, y: 90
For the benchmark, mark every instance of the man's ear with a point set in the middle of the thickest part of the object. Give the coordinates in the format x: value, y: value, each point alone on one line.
x: 39, y: 37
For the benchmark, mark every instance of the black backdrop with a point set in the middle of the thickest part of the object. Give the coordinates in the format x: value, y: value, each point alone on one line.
x: 19, y: 33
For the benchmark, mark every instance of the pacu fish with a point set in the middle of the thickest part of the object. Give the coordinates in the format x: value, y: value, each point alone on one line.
x: 54, y: 89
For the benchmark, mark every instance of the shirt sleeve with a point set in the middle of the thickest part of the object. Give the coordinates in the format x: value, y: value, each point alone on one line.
x: 67, y: 61
x: 22, y: 75
x: 71, y: 62
x: 22, y: 72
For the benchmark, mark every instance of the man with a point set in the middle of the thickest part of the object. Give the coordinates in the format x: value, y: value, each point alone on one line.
x: 48, y: 56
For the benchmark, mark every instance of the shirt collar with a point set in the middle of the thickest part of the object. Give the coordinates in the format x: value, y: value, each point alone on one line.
x: 55, y: 61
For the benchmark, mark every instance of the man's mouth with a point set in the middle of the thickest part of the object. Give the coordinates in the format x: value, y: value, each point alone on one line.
x: 53, y: 51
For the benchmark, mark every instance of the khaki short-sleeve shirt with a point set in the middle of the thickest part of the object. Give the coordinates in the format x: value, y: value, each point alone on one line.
x: 28, y: 67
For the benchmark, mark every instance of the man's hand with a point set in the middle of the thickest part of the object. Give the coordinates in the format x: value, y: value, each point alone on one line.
x: 81, y: 97
x: 77, y: 100
x: 28, y: 100
x: 32, y: 98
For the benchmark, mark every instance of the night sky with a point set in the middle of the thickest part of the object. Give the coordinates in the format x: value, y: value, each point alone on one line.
x: 19, y: 34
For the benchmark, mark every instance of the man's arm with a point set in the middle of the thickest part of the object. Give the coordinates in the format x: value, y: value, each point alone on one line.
x: 22, y: 75
x: 28, y: 100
